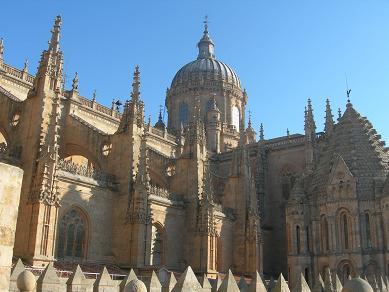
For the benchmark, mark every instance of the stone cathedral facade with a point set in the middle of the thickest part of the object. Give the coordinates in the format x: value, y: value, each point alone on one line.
x: 105, y: 185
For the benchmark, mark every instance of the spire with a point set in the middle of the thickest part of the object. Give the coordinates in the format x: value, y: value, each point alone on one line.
x: 339, y: 113
x: 309, y: 120
x: 50, y: 70
x: 206, y: 45
x: 261, y: 133
x: 55, y: 34
x: 135, y: 84
x: 329, y: 124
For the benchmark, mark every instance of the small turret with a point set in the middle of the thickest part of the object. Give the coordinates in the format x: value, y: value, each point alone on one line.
x: 250, y: 134
x: 329, y: 123
x: 160, y: 124
x: 213, y: 126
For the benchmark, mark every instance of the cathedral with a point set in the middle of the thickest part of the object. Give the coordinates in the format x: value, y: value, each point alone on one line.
x: 104, y: 185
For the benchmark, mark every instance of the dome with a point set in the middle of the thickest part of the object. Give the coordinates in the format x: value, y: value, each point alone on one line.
x: 357, y: 285
x: 206, y: 67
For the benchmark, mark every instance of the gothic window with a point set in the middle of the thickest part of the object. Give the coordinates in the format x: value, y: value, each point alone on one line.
x: 156, y: 245
x: 324, y: 234
x: 368, y: 230
x: 72, y: 235
x: 183, y: 113
x: 235, y: 117
x: 298, y: 243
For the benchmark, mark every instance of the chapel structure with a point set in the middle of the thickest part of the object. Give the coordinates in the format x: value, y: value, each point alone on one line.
x: 104, y: 185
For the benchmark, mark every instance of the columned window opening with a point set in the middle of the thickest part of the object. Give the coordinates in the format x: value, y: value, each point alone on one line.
x: 345, y: 231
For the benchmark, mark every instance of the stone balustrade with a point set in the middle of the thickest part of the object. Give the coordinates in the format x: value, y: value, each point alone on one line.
x: 84, y: 170
x: 23, y: 279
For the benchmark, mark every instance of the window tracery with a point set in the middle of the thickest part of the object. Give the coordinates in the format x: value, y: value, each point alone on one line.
x: 72, y: 235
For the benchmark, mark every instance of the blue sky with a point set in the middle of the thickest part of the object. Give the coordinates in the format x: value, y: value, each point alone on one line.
x: 284, y: 51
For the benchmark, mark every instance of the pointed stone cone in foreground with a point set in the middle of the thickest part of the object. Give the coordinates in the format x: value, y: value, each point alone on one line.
x: 242, y: 285
x: 229, y: 284
x: 301, y: 285
x: 207, y: 287
x: 154, y: 285
x: 281, y: 285
x: 187, y: 282
x: 17, y: 269
x: 256, y: 284
x: 76, y: 281
x: 48, y: 277
x: 170, y: 283
x: 319, y: 285
x: 337, y: 284
x: 103, y: 281
x: 131, y: 276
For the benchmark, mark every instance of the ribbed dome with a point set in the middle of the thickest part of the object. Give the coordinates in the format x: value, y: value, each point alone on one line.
x: 206, y: 69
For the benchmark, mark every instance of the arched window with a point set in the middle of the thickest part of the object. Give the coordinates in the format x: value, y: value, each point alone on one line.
x: 72, y: 235
x: 345, y: 230
x: 367, y: 229
x: 183, y: 113
x: 298, y: 243
x: 307, y: 275
x: 235, y: 117
x: 324, y: 234
x: 156, y: 245
x: 288, y: 234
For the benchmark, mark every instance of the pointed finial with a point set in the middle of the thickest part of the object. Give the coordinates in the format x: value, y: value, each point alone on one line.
x: 25, y: 68
x: 206, y: 24
x: 339, y: 113
x: 149, y: 121
x: 348, y: 91
x: 1, y: 48
x: 55, y: 34
x: 249, y: 123
x: 287, y: 132
x: 135, y: 84
x: 261, y: 133
x: 75, y: 84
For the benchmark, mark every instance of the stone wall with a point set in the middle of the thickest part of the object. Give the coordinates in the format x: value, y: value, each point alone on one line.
x: 10, y: 184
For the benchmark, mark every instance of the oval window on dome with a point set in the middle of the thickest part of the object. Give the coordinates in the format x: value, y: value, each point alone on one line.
x: 235, y: 117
